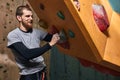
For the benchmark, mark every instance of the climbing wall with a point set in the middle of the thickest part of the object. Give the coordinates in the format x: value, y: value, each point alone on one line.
x: 8, y: 68
x: 106, y: 41
x: 88, y: 30
x: 65, y: 67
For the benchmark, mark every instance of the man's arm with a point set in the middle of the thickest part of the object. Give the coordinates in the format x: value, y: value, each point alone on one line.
x: 26, y: 53
x: 48, y: 37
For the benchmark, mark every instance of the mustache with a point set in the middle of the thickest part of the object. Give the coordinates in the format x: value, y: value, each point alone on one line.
x: 31, y: 21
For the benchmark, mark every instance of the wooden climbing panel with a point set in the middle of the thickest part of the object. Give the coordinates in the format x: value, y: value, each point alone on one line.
x: 86, y: 41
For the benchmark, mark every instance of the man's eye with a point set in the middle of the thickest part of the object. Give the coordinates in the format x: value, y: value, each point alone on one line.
x: 29, y: 16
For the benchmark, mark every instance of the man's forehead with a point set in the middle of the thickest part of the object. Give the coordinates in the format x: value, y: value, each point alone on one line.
x: 26, y: 12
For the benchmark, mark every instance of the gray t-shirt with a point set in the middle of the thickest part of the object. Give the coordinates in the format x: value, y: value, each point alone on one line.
x: 30, y: 40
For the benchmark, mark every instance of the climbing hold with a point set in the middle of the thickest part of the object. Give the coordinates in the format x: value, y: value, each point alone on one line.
x: 42, y: 6
x: 4, y: 71
x: 71, y: 33
x: 63, y: 36
x: 11, y: 11
x: 5, y: 27
x: 63, y: 42
x: 27, y: 5
x: 115, y: 4
x: 43, y: 24
x: 77, y: 4
x: 65, y: 45
x: 100, y: 17
x: 1, y: 66
x: 60, y: 15
x: 3, y: 39
x: 8, y: 4
x: 53, y: 30
x: 6, y: 14
x: 10, y: 22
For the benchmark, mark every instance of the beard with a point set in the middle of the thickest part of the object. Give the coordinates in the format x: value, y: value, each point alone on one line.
x: 27, y: 25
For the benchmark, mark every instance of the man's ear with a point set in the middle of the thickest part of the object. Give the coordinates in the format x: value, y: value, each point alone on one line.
x: 19, y: 18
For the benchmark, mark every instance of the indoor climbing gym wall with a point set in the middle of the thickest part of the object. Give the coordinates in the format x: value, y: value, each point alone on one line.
x: 8, y: 69
x: 89, y: 30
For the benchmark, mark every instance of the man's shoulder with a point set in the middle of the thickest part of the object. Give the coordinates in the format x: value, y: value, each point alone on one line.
x: 39, y: 30
x: 36, y: 29
x: 14, y: 31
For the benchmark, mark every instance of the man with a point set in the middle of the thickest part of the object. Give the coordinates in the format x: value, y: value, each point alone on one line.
x: 24, y: 42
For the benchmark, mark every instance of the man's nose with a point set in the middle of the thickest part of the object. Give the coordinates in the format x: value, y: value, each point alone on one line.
x: 31, y: 17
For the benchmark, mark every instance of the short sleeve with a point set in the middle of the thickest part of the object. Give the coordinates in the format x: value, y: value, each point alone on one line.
x: 42, y: 34
x: 12, y: 38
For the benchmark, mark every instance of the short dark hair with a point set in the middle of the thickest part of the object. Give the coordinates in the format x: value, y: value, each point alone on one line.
x: 19, y: 10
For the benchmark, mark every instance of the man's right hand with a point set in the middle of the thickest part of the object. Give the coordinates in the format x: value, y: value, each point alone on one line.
x: 55, y: 39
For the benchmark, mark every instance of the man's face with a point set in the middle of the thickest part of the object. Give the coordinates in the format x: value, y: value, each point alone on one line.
x: 27, y: 18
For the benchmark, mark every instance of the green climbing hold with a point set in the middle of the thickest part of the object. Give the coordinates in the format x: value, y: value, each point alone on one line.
x: 71, y: 33
x: 60, y: 15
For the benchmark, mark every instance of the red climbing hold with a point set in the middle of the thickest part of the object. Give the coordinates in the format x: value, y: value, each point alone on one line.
x: 63, y: 42
x: 53, y: 30
x: 100, y: 17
